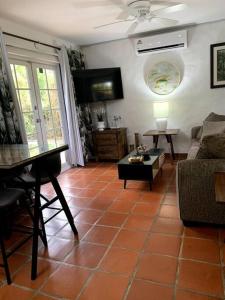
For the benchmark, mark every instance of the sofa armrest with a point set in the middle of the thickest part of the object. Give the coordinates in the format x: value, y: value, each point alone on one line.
x: 200, y: 167
x: 195, y: 131
x: 196, y: 190
x: 198, y: 173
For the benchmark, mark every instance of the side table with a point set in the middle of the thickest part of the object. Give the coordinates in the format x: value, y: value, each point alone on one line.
x: 168, y: 133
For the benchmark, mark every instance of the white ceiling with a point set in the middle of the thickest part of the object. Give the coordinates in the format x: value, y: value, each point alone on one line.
x: 65, y: 19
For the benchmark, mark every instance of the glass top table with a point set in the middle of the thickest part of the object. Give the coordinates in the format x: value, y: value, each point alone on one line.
x: 12, y: 156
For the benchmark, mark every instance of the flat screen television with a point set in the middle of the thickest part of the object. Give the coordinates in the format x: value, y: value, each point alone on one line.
x: 95, y: 85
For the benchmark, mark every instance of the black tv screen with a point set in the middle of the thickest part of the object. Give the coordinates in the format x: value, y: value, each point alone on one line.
x: 98, y: 85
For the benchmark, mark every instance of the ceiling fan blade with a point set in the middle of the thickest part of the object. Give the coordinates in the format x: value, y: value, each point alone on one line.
x: 164, y: 21
x: 109, y: 24
x: 166, y: 3
x: 132, y: 28
x: 117, y: 2
x: 97, y: 3
x: 123, y: 15
x: 170, y: 9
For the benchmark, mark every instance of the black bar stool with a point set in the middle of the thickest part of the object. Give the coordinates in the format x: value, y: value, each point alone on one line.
x: 48, y: 169
x: 44, y: 171
x: 8, y: 199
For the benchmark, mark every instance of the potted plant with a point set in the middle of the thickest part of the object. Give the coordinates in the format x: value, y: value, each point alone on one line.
x: 100, y: 120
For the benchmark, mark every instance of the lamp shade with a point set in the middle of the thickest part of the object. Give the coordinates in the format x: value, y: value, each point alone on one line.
x: 160, y: 109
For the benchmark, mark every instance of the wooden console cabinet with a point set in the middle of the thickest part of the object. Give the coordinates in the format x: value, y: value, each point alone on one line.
x: 110, y: 144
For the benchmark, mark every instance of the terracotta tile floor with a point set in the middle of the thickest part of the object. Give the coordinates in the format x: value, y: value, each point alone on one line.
x: 132, y: 245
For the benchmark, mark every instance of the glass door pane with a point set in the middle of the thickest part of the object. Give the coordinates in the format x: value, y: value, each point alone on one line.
x: 27, y: 101
x: 49, y: 102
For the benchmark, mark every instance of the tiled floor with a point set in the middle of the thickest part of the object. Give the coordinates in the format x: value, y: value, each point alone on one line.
x: 131, y: 245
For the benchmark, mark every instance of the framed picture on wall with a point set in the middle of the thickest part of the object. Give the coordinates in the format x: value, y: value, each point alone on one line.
x: 218, y: 65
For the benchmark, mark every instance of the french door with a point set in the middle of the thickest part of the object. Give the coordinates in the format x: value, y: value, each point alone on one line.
x: 38, y: 90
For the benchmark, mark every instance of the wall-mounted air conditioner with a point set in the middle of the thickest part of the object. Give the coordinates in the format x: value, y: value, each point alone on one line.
x: 161, y: 42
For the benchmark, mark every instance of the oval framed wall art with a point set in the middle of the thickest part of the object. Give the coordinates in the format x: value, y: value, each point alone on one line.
x: 164, y: 78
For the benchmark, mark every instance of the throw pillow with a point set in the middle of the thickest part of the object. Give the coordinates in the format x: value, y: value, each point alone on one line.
x: 212, y: 146
x: 212, y: 117
x: 212, y: 128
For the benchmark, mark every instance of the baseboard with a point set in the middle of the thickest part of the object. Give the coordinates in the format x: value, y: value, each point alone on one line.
x: 178, y: 156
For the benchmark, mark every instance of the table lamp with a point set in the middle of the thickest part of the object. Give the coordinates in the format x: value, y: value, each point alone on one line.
x: 160, y: 110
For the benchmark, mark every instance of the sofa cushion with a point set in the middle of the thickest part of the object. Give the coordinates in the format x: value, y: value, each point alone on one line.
x: 212, y: 128
x: 192, y: 153
x: 212, y: 146
x: 212, y: 117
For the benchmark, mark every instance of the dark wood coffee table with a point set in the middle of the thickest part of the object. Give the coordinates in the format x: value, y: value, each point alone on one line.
x: 145, y: 171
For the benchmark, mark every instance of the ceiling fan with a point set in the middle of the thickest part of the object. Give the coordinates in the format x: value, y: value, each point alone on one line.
x: 138, y: 11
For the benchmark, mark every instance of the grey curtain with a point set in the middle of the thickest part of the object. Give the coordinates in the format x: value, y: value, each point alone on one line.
x: 9, y: 126
x: 76, y: 61
x: 74, y: 156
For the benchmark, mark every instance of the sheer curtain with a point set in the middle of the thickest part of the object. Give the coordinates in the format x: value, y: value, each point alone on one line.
x: 72, y: 133
x: 12, y: 129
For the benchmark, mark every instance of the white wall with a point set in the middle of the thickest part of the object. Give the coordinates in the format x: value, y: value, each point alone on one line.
x: 27, y: 32
x: 189, y: 104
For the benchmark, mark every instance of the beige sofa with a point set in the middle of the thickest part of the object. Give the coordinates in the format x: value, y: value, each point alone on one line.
x: 196, y: 186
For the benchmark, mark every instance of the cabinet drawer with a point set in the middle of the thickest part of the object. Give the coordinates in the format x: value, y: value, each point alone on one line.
x: 110, y: 152
x: 106, y: 139
x: 110, y: 144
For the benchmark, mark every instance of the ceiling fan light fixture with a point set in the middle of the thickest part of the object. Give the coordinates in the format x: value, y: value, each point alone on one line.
x: 139, y: 8
x: 140, y: 11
